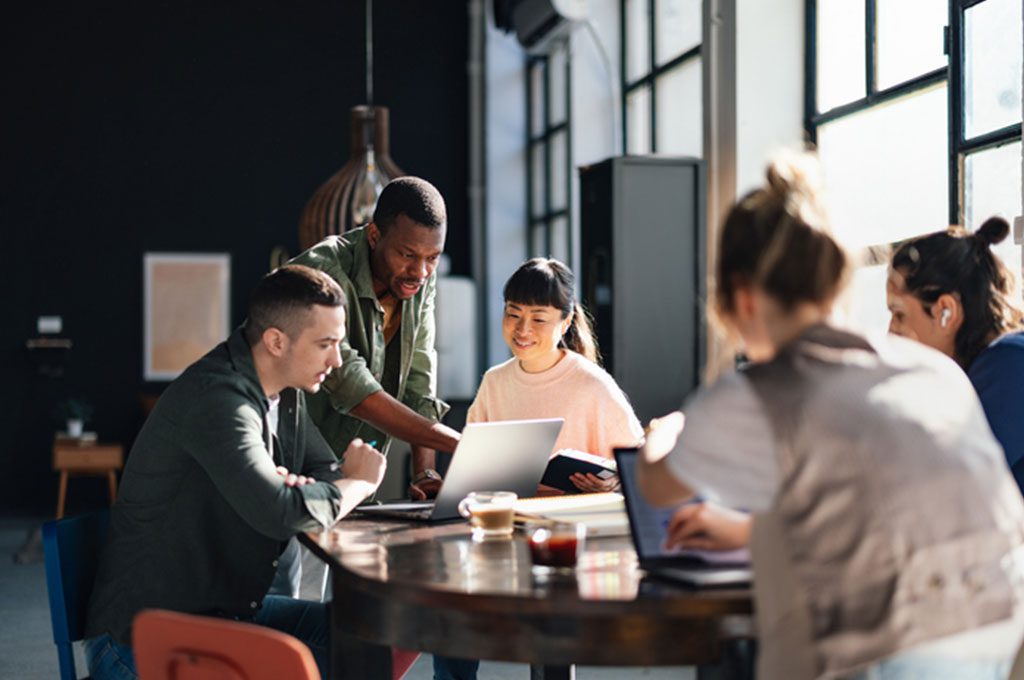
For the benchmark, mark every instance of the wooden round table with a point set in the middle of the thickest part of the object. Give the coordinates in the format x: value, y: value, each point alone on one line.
x: 434, y: 589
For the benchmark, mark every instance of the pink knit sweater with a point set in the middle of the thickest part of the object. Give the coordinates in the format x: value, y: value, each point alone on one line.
x: 598, y: 417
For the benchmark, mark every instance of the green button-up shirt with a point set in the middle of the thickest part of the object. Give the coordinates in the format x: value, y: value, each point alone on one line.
x: 346, y: 259
x: 202, y: 515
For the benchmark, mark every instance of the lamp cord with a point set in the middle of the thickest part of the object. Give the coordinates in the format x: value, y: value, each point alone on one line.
x: 369, y: 53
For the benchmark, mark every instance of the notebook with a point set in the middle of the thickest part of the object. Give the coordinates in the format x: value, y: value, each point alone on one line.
x: 508, y: 455
x: 648, y: 526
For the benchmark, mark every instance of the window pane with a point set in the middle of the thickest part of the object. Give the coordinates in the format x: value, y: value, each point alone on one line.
x: 680, y: 114
x: 678, y: 27
x: 538, y: 240
x: 538, y: 180
x: 992, y: 186
x: 556, y: 82
x: 537, y: 94
x: 909, y: 39
x: 560, y: 239
x: 559, y: 170
x: 886, y: 169
x: 638, y: 40
x: 992, y: 66
x: 638, y: 121
x: 864, y: 300
x: 841, y: 58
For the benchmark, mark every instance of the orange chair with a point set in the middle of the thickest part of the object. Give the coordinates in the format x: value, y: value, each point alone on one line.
x: 173, y: 646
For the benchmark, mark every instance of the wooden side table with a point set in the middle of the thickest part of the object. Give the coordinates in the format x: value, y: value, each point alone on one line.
x: 70, y: 457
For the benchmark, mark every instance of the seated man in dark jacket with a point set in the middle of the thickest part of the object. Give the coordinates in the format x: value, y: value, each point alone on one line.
x: 226, y: 469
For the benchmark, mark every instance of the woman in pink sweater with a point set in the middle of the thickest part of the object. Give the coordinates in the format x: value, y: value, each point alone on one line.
x: 554, y: 370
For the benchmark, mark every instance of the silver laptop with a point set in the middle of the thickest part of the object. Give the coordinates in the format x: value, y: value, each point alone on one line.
x: 648, y: 524
x: 507, y: 455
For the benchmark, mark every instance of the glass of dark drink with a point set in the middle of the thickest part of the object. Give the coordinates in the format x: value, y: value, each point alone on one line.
x: 555, y: 546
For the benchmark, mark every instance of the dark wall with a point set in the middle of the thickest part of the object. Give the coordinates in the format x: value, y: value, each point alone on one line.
x: 186, y: 127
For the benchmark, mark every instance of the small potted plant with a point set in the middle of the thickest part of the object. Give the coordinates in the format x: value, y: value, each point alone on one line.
x: 73, y: 413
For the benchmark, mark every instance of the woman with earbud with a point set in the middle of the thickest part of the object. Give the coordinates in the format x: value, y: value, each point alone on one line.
x: 949, y: 291
x: 887, y: 531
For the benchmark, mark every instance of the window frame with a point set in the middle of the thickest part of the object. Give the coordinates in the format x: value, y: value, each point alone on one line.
x: 541, y: 143
x: 650, y: 76
x: 959, y: 147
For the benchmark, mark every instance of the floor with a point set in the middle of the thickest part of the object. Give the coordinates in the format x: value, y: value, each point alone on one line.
x: 26, y: 643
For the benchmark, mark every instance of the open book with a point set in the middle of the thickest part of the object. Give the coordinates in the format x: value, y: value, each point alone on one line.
x: 567, y: 462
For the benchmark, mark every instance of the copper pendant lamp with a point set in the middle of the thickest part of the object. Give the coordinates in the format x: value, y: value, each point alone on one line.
x: 348, y: 198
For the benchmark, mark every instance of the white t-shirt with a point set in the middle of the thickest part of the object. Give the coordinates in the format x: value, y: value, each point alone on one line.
x: 726, y: 451
x: 273, y: 418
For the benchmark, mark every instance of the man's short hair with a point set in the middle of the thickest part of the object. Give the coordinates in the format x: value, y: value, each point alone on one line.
x: 284, y: 297
x: 416, y: 198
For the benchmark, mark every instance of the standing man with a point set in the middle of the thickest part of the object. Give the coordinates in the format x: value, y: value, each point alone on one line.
x: 387, y: 384
x: 226, y: 469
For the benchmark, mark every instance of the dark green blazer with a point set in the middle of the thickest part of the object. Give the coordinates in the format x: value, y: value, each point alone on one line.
x: 202, y: 515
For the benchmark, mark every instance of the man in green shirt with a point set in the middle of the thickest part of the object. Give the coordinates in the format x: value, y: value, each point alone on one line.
x: 387, y: 383
x: 225, y: 471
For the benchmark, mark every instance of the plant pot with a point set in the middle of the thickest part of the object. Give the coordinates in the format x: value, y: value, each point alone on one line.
x: 75, y: 427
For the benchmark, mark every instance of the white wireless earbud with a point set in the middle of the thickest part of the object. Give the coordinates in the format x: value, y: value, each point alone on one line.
x: 944, y: 317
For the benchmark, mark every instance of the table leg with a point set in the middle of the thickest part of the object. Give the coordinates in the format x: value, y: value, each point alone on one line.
x: 112, y: 483
x: 353, y: 659
x: 61, y: 491
x: 737, y: 663
x: 553, y: 672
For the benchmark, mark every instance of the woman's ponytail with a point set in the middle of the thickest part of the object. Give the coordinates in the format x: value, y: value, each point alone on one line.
x: 579, y: 337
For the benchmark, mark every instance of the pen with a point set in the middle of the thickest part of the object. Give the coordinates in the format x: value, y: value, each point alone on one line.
x: 336, y: 465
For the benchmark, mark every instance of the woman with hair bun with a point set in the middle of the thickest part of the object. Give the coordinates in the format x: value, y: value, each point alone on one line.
x: 949, y: 291
x: 887, y: 531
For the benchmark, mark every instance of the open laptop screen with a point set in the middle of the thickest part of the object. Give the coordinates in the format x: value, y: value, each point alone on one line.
x: 649, y: 524
x: 646, y: 522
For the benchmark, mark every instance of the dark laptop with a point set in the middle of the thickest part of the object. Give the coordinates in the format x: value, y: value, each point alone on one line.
x: 508, y: 455
x: 648, y: 524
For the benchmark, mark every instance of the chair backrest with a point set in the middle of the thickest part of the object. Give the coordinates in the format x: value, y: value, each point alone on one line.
x: 173, y: 646
x: 72, y: 549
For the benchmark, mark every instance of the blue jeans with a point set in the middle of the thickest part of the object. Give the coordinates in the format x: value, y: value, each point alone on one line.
x: 917, y: 666
x: 307, y: 621
x: 446, y: 668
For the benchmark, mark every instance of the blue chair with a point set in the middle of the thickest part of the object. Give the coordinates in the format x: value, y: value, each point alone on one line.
x: 72, y: 549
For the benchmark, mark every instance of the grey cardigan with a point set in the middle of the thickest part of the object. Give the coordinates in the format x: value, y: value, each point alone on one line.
x: 895, y: 516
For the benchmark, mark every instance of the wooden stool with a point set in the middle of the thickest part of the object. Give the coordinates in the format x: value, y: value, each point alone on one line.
x: 70, y: 457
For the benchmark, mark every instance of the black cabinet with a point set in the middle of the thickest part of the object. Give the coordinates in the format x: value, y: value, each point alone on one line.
x: 642, y: 243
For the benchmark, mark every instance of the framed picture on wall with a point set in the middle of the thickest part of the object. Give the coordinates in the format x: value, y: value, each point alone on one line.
x: 187, y: 309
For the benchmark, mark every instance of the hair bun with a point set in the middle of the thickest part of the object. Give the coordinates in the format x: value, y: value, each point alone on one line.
x: 795, y: 179
x: 993, y: 231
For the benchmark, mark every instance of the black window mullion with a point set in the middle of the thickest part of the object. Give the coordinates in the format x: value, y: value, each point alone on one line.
x: 811, y: 70
x: 652, y: 54
x: 990, y: 139
x: 956, y: 107
x: 895, y: 92
x: 547, y: 153
x: 623, y: 75
x: 870, y: 44
x: 531, y: 64
x: 568, y: 156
